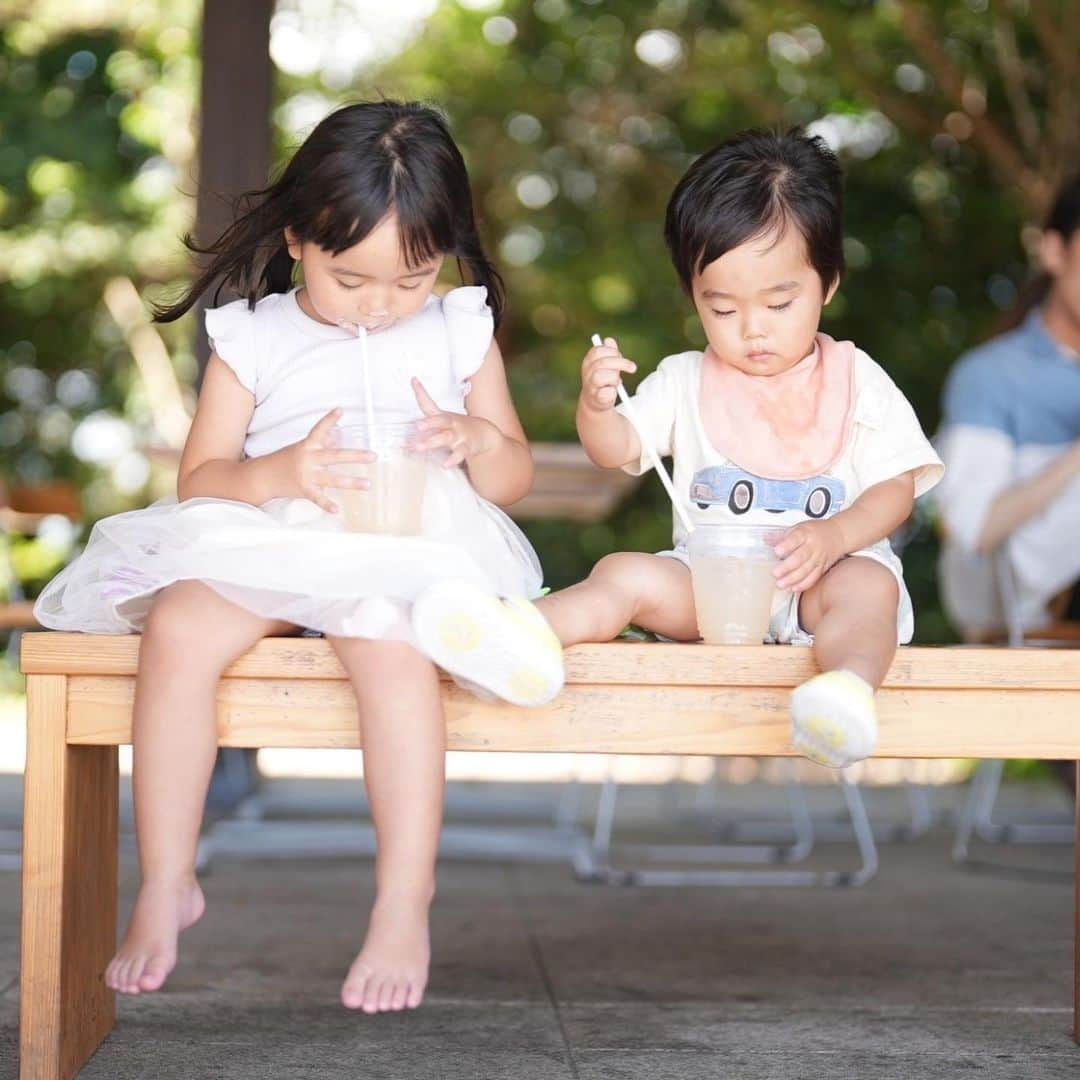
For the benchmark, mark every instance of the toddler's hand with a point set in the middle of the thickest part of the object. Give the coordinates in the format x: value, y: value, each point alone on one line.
x: 807, y: 551
x: 601, y: 372
x: 304, y: 466
x: 463, y: 436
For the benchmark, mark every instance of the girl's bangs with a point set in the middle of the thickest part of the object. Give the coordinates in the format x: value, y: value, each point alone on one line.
x: 339, y: 227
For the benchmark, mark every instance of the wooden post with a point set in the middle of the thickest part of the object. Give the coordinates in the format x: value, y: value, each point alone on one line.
x: 234, y: 120
x: 69, y: 889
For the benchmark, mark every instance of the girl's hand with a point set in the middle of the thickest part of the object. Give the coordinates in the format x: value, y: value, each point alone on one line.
x: 304, y: 467
x: 807, y: 551
x: 464, y: 437
x: 601, y: 372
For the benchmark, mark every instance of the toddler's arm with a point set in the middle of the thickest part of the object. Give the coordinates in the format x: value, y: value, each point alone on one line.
x: 212, y: 464
x: 608, y: 437
x: 813, y: 547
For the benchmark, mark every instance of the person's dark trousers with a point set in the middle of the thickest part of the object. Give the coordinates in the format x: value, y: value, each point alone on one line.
x: 235, y: 777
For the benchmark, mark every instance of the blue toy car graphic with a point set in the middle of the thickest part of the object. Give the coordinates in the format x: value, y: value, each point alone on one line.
x: 740, y: 492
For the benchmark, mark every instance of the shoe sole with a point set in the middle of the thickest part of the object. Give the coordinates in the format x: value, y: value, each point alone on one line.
x: 468, y: 633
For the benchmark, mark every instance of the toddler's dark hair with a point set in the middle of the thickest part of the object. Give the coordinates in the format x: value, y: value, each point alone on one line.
x: 754, y: 184
x: 360, y: 163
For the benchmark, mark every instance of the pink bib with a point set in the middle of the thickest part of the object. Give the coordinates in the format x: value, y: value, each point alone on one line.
x: 783, y: 427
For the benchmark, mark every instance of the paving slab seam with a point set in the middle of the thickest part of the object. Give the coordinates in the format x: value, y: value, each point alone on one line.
x: 541, y: 967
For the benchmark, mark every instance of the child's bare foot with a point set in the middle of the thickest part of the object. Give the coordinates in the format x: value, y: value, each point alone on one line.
x: 391, y: 970
x: 148, y: 951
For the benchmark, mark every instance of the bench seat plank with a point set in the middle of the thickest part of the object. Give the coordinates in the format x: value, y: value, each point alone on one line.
x: 948, y: 667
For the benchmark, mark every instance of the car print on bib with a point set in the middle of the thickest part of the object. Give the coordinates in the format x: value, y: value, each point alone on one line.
x: 741, y: 492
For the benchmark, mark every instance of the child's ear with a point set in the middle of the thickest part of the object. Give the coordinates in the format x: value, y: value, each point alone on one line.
x: 293, y: 244
x: 831, y: 291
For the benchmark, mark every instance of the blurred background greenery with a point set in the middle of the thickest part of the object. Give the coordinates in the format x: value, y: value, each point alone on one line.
x: 954, y: 121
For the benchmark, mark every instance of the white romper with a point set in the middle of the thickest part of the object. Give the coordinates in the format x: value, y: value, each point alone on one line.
x: 880, y: 438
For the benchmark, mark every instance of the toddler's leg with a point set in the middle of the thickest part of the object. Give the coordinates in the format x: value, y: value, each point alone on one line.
x: 191, y: 635
x: 851, y: 612
x: 404, y: 738
x: 628, y: 587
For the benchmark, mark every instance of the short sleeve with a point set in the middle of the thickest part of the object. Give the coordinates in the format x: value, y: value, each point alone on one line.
x: 231, y: 330
x: 652, y: 412
x: 470, y: 326
x: 890, y: 439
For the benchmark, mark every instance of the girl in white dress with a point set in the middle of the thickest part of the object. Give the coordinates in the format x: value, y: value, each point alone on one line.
x: 369, y: 207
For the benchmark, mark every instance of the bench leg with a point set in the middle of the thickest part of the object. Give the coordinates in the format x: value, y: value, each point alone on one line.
x: 69, y: 890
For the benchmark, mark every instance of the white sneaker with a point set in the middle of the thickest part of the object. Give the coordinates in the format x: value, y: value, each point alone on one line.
x: 834, y: 719
x: 504, y: 646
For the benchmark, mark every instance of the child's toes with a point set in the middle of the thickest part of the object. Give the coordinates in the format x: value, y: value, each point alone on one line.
x: 353, y: 990
x: 401, y: 992
x: 415, y: 995
x: 386, y: 994
x: 371, y: 995
x: 153, y: 975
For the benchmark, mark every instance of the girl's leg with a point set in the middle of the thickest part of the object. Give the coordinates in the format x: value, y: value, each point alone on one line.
x: 191, y: 635
x: 652, y: 591
x: 404, y: 739
x: 851, y: 612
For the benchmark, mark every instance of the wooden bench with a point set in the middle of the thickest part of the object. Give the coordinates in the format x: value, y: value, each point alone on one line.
x: 620, y: 698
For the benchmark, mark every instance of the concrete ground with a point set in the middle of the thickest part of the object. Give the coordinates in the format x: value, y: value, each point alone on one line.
x: 929, y: 971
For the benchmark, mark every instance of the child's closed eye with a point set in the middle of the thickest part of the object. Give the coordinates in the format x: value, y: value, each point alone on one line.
x: 780, y: 307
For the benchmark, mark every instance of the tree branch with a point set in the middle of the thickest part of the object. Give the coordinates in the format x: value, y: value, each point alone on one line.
x: 1002, y: 153
x: 1055, y: 42
x: 1012, y: 74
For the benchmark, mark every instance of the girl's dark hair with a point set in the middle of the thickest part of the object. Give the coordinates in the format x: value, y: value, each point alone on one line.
x: 753, y: 184
x: 360, y: 163
x: 1063, y: 218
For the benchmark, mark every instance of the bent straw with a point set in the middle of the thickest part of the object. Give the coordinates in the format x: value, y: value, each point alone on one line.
x: 654, y: 457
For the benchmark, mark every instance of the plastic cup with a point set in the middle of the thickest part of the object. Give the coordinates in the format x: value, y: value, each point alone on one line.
x: 394, y: 503
x: 731, y: 568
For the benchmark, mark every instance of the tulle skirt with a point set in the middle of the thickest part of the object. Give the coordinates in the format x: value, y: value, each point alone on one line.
x: 290, y: 560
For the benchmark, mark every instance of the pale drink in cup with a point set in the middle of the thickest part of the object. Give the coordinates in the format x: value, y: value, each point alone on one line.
x: 731, y: 569
x: 394, y: 503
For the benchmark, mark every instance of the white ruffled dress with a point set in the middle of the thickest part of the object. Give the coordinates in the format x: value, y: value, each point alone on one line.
x: 288, y: 559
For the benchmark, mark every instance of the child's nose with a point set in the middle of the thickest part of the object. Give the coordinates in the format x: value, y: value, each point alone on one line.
x: 751, y: 328
x: 376, y: 301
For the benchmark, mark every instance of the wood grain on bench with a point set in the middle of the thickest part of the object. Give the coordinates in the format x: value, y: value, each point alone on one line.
x: 628, y: 698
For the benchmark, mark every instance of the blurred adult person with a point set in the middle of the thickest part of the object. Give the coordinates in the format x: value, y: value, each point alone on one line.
x: 1010, y: 439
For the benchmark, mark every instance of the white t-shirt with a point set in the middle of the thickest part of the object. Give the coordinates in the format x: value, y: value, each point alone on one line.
x: 298, y: 369
x: 883, y: 439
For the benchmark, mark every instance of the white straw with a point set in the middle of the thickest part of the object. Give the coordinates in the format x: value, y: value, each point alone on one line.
x: 654, y: 457
x: 369, y: 404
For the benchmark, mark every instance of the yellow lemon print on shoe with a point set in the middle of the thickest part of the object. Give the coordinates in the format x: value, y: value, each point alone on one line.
x: 527, y: 685
x: 459, y: 632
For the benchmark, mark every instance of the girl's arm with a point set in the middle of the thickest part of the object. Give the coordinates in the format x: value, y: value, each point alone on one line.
x: 812, y: 547
x: 490, y: 440
x: 213, y: 465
